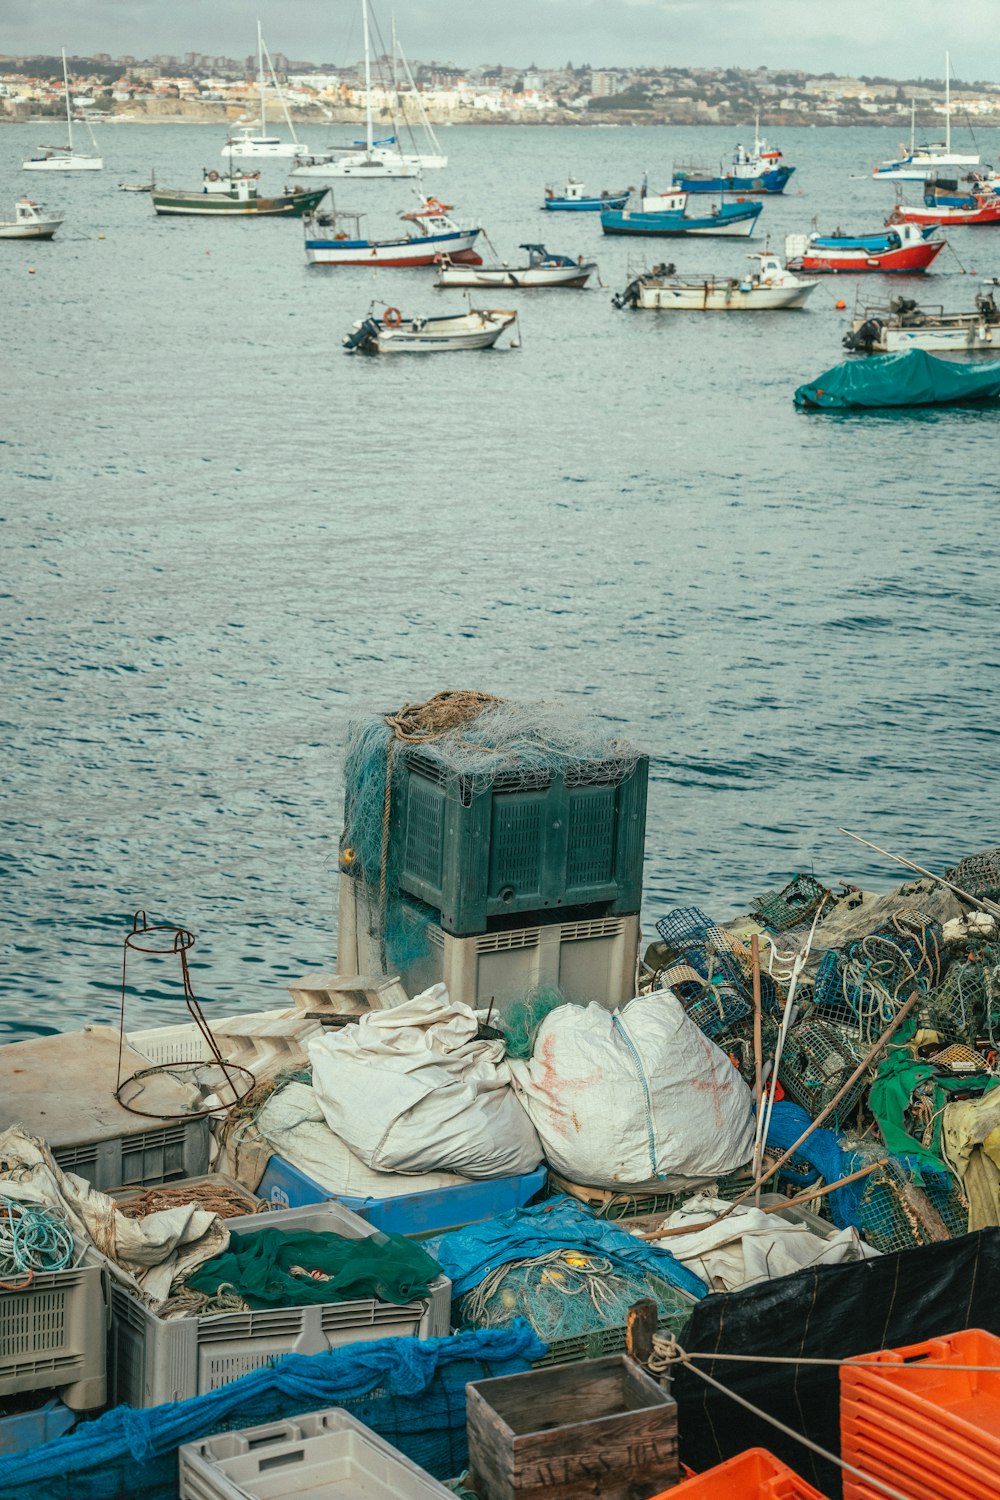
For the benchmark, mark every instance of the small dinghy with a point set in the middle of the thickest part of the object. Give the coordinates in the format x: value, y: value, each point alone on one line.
x: 477, y: 328
x: 543, y: 269
x: 767, y: 287
x: 28, y: 223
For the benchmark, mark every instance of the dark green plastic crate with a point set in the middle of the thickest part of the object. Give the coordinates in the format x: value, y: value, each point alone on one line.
x: 531, y: 842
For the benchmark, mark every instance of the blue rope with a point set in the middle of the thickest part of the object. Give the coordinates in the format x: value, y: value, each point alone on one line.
x: 32, y: 1238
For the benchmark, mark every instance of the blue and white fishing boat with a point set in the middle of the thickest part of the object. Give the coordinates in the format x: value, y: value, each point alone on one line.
x: 574, y: 198
x: 757, y: 169
x: 666, y: 214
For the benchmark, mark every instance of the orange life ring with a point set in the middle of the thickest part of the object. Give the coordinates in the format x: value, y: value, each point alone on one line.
x: 213, y: 176
x: 392, y: 317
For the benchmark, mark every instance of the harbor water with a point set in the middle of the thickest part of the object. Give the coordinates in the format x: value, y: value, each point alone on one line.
x: 220, y: 535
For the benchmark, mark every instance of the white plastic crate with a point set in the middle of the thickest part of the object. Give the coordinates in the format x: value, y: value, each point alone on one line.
x: 315, y: 1457
x: 154, y: 1359
x: 52, y: 1336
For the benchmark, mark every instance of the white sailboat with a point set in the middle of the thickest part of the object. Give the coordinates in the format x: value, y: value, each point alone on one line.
x: 920, y: 161
x: 65, y: 158
x: 426, y: 160
x: 250, y: 143
x: 376, y: 159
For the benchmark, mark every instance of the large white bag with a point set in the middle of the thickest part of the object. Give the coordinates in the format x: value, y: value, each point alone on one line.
x: 620, y: 1098
x: 412, y: 1090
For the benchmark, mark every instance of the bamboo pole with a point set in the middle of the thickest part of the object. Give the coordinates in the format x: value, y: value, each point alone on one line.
x: 758, y: 1062
x: 983, y: 902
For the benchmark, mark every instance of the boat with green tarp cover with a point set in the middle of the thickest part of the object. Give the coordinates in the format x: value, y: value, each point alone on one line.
x: 912, y: 379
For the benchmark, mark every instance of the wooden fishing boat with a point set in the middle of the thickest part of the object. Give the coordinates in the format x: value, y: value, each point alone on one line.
x: 768, y: 287
x: 903, y: 248
x: 666, y: 214
x: 477, y: 328
x: 236, y: 195
x: 902, y: 325
x: 543, y: 269
x: 334, y: 238
x: 28, y: 223
x: 574, y: 198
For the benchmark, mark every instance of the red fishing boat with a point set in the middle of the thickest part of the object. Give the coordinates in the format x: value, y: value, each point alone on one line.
x: 900, y: 248
x: 984, y: 209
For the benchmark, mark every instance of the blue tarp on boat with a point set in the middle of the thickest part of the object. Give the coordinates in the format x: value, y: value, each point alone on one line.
x: 912, y: 379
x: 411, y: 1391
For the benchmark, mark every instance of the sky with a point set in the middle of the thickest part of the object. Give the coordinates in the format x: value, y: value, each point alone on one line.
x: 890, y: 38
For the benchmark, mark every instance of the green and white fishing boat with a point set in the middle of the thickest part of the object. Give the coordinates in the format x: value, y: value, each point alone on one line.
x: 236, y: 193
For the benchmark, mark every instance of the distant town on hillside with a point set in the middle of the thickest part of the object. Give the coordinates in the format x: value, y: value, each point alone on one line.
x: 196, y: 86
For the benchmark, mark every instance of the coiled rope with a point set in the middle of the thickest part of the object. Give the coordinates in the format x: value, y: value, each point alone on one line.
x: 32, y: 1238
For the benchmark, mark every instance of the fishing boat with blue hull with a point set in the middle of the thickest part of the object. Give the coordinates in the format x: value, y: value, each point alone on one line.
x: 574, y: 198
x: 334, y: 238
x: 755, y: 169
x: 667, y: 214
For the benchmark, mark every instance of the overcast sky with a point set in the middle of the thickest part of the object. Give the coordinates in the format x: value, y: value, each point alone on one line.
x: 894, y: 38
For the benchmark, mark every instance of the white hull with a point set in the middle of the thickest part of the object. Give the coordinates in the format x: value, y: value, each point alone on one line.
x: 429, y: 163
x: 390, y: 342
x: 64, y: 164
x: 965, y: 334
x: 917, y: 171
x: 724, y: 297
x: 359, y: 166
x: 44, y: 229
x: 517, y: 276
x: 415, y: 251
x: 282, y: 149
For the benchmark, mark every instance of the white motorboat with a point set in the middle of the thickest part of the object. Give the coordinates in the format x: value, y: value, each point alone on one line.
x: 334, y: 238
x: 768, y: 287
x: 918, y: 162
x: 65, y: 158
x: 904, y: 325
x: 542, y: 269
x: 391, y: 333
x: 249, y: 141
x: 28, y: 223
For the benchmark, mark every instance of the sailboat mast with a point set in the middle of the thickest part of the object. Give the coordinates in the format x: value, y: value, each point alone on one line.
x: 368, y: 80
x: 281, y: 98
x: 913, y: 126
x: 947, y: 103
x: 260, y: 78
x: 69, y: 111
x: 395, y: 48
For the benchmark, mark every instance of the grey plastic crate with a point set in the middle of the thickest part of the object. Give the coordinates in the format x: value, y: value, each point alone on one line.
x: 52, y: 1336
x: 315, y: 1457
x: 153, y: 1359
x: 147, y: 1158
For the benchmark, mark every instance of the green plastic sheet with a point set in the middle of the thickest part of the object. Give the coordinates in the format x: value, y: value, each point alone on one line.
x: 260, y: 1267
x: 912, y: 379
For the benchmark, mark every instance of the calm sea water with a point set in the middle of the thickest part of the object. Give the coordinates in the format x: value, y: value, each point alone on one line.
x: 220, y: 535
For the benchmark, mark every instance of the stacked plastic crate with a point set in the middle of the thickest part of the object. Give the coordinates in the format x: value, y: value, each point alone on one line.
x: 533, y: 879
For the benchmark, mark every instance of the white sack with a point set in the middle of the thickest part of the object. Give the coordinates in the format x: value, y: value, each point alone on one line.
x: 751, y: 1246
x: 148, y: 1253
x: 292, y: 1122
x: 411, y: 1090
x: 620, y: 1098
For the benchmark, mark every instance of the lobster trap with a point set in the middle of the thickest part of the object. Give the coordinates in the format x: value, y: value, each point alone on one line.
x: 865, y: 983
x: 794, y: 904
x: 712, y: 973
x: 817, y: 1059
x: 966, y: 1005
x: 978, y: 875
x: 894, y: 1212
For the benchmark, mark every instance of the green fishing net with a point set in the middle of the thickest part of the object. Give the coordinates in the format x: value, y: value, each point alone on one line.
x: 521, y: 1019
x: 275, y: 1268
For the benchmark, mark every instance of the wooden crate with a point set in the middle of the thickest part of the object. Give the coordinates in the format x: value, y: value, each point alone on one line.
x: 599, y: 1428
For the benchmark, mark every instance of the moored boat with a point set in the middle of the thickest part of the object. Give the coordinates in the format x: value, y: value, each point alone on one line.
x: 65, y: 158
x: 258, y: 143
x: 904, y: 248
x: 574, y: 198
x: 477, y: 328
x: 236, y: 195
x: 914, y: 164
x: 28, y: 223
x: 757, y: 169
x: 543, y: 269
x: 667, y: 214
x: 769, y: 287
x: 903, y: 325
x: 335, y: 239
x: 915, y: 378
x: 981, y: 208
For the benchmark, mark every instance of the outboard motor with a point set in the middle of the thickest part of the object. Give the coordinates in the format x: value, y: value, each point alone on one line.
x: 987, y: 308
x: 364, y: 339
x: 630, y: 296
x: 865, y: 339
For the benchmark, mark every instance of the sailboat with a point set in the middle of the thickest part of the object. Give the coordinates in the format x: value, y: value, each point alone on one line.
x: 249, y: 143
x: 377, y: 158
x: 920, y: 161
x: 65, y: 158
x: 426, y: 160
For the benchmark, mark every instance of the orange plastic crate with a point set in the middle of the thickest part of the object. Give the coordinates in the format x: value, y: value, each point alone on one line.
x: 918, y: 1474
x: 965, y: 1403
x: 753, y: 1475
x: 892, y: 1433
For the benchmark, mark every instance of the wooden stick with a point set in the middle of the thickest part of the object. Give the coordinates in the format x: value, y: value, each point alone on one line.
x: 981, y: 901
x: 758, y: 1061
x: 772, y: 1208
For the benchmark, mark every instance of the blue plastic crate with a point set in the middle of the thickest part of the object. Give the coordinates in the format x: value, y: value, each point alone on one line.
x: 284, y: 1186
x: 29, y: 1429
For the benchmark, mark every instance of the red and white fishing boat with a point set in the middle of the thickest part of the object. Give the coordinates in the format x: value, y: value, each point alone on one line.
x: 899, y: 248
x: 985, y: 211
x: 335, y: 239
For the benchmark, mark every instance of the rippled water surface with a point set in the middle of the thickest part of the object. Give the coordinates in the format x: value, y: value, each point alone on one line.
x: 220, y: 535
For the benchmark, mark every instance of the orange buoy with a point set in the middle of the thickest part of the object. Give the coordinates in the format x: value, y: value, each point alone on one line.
x: 841, y: 305
x: 31, y: 270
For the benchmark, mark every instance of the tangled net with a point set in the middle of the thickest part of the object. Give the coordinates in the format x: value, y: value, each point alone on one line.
x: 218, y: 1197
x: 32, y: 1238
x: 568, y: 1293
x: 867, y: 981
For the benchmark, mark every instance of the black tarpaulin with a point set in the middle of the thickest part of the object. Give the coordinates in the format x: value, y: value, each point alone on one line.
x: 831, y: 1312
